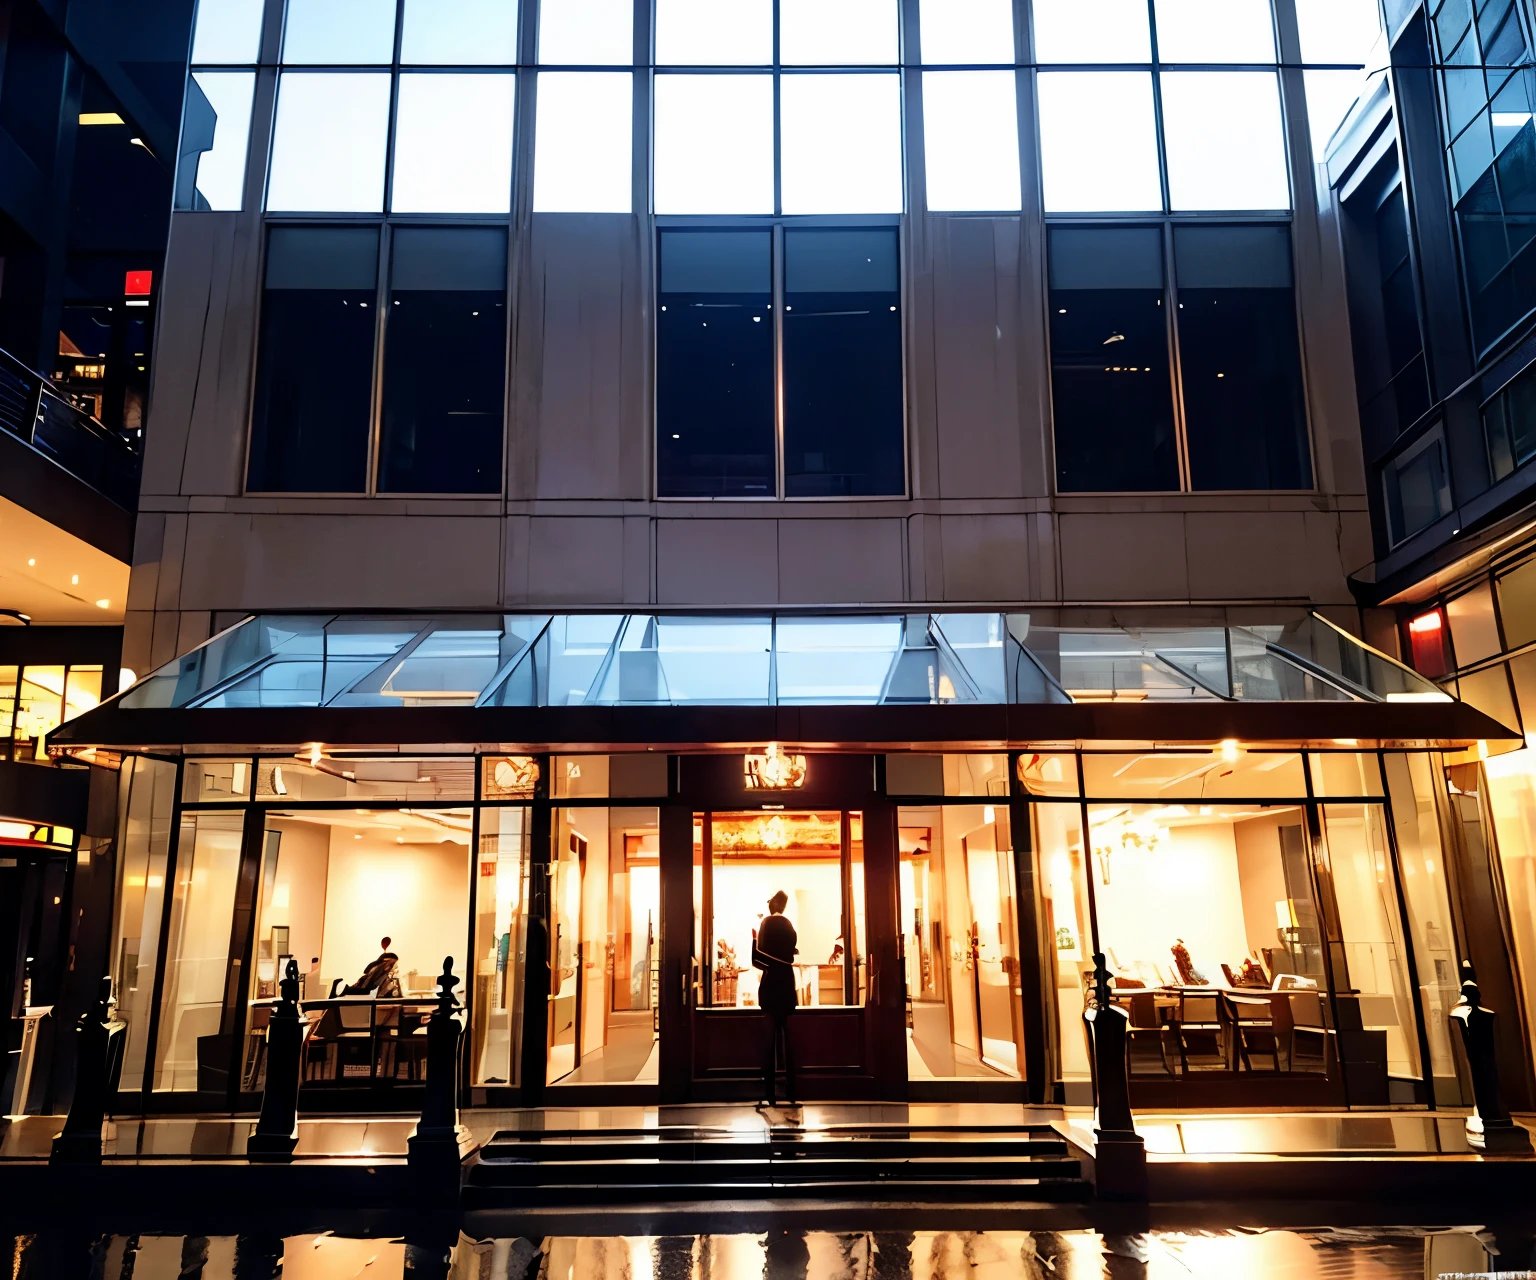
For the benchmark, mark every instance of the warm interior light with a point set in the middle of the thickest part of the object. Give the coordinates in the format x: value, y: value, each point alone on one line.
x: 103, y: 604
x: 126, y: 676
x: 1426, y: 622
x: 1230, y: 750
x: 100, y: 117
x: 773, y: 769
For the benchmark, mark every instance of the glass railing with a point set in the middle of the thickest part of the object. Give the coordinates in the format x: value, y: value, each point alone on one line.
x: 543, y: 660
x: 31, y: 409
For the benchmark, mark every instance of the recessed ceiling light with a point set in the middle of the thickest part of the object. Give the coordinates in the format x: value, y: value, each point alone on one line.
x: 103, y: 604
x: 74, y: 580
x: 31, y: 564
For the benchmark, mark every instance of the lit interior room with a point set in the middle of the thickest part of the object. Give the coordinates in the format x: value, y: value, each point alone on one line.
x: 605, y: 950
x: 817, y: 860
x: 957, y: 915
x: 335, y: 884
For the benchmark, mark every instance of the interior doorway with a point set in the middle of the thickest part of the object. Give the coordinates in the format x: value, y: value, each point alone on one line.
x: 959, y: 921
x: 605, y: 913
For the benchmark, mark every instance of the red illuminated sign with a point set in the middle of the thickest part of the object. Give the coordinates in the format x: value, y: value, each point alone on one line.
x: 137, y: 284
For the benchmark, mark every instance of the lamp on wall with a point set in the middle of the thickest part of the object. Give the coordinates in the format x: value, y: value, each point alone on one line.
x: 511, y: 776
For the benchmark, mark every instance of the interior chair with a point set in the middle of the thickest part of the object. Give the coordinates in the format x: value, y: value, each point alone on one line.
x: 1202, y: 1031
x: 355, y: 1042
x: 403, y: 1040
x: 1144, y: 1026
x: 1308, y: 1038
x: 254, y: 1071
x: 1253, y: 1029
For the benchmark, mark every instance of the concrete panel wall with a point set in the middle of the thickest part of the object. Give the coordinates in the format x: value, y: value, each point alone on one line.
x: 577, y: 526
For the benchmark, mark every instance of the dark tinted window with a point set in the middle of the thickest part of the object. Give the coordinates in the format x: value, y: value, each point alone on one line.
x: 1110, y: 377
x: 314, y: 372
x: 714, y: 365
x: 1244, y: 407
x: 842, y: 364
x: 445, y: 362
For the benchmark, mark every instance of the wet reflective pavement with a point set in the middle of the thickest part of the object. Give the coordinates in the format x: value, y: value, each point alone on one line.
x: 1252, y: 1254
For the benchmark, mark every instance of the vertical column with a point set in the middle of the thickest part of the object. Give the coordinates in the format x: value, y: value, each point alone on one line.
x: 885, y: 991
x: 1033, y: 974
x: 675, y: 1000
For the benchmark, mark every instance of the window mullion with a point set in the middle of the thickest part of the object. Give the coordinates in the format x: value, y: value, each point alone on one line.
x: 394, y: 111
x: 1157, y: 106
x: 777, y: 265
x: 381, y: 304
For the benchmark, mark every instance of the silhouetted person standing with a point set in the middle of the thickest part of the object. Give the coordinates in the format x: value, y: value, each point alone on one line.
x: 774, y: 953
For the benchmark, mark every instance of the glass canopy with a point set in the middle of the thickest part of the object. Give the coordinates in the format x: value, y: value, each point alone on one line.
x: 544, y: 660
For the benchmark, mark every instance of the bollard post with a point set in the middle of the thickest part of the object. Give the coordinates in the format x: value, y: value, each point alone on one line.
x: 97, y: 1041
x: 277, y: 1128
x: 437, y: 1147
x: 1489, y: 1127
x: 1120, y: 1155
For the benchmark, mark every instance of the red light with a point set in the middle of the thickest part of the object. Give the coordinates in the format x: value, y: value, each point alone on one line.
x: 138, y: 284
x: 1425, y: 623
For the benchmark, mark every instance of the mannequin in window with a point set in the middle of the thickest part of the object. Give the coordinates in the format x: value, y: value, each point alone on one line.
x: 774, y: 951
x: 381, y: 977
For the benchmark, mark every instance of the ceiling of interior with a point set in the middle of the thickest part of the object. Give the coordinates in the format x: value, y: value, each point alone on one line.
x: 55, y: 577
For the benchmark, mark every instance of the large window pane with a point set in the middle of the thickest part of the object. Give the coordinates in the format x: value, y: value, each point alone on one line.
x: 714, y: 375
x: 971, y: 140
x: 721, y: 33
x: 314, y: 370
x: 188, y: 1044
x: 227, y: 31
x: 841, y: 143
x: 145, y: 796
x: 501, y: 924
x: 958, y: 907
x: 1244, y: 409
x: 214, y: 139
x: 583, y: 155
x: 445, y: 362
x: 1225, y: 140
x: 1092, y: 31
x: 1098, y: 142
x: 958, y: 31
x: 587, y: 32
x: 453, y: 144
x: 1337, y: 30
x: 1369, y: 968
x: 339, y: 32
x: 1110, y: 377
x: 842, y: 364
x: 840, y: 33
x: 328, y: 143
x: 465, y: 33
x: 714, y: 144
x: 1330, y: 95
x: 1215, y: 31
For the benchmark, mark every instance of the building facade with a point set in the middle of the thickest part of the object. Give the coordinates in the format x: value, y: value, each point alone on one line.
x: 612, y: 459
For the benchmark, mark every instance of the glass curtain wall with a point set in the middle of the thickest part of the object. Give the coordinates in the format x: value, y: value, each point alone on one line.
x: 1244, y: 948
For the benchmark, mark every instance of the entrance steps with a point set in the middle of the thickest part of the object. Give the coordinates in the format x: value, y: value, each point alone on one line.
x: 863, y: 1163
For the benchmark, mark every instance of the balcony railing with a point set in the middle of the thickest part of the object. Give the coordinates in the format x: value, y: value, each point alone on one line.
x: 32, y: 409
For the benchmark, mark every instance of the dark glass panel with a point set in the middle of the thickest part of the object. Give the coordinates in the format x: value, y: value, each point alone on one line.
x: 314, y: 373
x: 445, y: 362
x: 842, y: 364
x: 1110, y: 372
x: 1417, y: 487
x: 714, y: 365
x: 1244, y: 407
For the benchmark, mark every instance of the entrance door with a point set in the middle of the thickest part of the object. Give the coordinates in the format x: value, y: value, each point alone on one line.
x: 605, y: 926
x: 841, y: 1032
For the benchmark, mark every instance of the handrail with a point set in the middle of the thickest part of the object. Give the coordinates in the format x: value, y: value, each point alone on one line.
x: 33, y: 409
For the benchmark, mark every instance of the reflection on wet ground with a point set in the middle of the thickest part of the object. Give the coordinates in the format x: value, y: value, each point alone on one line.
x: 1258, y: 1254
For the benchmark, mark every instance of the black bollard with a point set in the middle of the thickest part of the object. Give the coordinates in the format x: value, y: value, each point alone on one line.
x: 98, y: 1041
x: 1120, y: 1155
x: 277, y: 1128
x: 440, y: 1142
x: 1489, y: 1127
